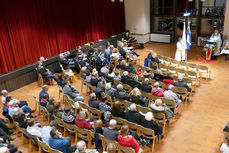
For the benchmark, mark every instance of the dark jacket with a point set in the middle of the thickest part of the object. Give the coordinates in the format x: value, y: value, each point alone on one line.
x: 182, y: 84
x: 131, y: 70
x: 42, y: 71
x: 94, y: 103
x: 122, y: 52
x: 126, y: 79
x: 65, y: 63
x: 145, y: 87
x: 122, y: 95
x: 94, y: 82
x: 151, y: 125
x: 139, y: 100
x: 133, y: 116
x: 158, y: 77
x: 118, y: 113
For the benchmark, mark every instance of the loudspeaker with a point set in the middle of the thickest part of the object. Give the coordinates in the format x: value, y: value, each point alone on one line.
x: 141, y: 46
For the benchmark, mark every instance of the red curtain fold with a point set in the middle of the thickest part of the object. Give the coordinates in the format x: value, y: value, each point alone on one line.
x: 30, y: 29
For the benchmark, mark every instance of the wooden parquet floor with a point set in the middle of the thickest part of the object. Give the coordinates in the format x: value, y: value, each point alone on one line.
x: 198, y: 126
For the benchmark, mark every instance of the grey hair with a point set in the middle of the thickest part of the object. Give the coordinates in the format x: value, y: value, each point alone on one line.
x: 112, y: 123
x: 81, y: 145
x: 133, y: 107
x: 171, y: 87
x: 119, y: 86
x: 4, y: 91
x: 45, y: 87
x: 146, y: 80
x: 107, y: 86
x: 81, y: 115
x: 180, y: 78
x: 156, y: 84
x: 92, y: 96
x: 125, y: 73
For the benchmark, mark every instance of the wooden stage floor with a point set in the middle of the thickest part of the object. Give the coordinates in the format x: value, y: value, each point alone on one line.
x: 196, y: 129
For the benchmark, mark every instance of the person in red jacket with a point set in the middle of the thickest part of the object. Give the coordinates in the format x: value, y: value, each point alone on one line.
x: 81, y: 121
x: 156, y: 90
x: 126, y: 140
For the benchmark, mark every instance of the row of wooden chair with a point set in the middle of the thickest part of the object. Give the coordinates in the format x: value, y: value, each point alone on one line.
x: 199, y: 69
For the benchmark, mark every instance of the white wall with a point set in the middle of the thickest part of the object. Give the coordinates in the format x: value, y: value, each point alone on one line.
x: 226, y: 21
x: 137, y: 15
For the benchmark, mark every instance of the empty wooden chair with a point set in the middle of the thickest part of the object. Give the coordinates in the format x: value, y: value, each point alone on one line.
x: 174, y: 63
x: 172, y: 70
x: 192, y: 67
x: 162, y: 67
x: 181, y: 72
x: 119, y: 120
x: 167, y: 60
x: 81, y: 133
x: 133, y: 127
x: 160, y: 118
x: 143, y: 109
x: 160, y: 57
x: 204, y: 70
x: 183, y: 65
x: 193, y: 75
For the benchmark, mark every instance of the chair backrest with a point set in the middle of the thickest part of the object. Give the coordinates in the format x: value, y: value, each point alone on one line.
x: 158, y: 115
x: 162, y: 66
x: 58, y: 120
x: 183, y: 65
x: 127, y: 104
x: 181, y: 90
x: 147, y: 133
x: 174, y: 62
x: 127, y: 149
x: 94, y: 112
x: 127, y: 87
x: 133, y: 127
x: 143, y: 109
x: 83, y: 105
x: 44, y: 146
x: 192, y: 67
x: 81, y: 133
x: 70, y: 127
x: 54, y: 150
x: 119, y: 120
x: 203, y: 68
x: 169, y: 102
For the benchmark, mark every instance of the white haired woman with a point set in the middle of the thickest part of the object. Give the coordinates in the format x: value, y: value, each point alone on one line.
x: 137, y: 98
x: 158, y: 106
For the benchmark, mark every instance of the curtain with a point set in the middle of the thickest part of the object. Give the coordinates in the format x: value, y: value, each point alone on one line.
x: 33, y: 28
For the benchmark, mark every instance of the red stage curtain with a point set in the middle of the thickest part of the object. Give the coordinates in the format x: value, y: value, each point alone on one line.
x: 33, y: 28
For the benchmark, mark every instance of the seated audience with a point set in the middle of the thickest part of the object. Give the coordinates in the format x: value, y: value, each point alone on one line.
x: 182, y: 83
x: 104, y: 70
x: 45, y: 131
x: 104, y: 109
x: 117, y: 76
x: 88, y: 77
x: 93, y: 102
x: 66, y: 63
x: 4, y: 95
x: 33, y: 128
x: 145, y: 86
x: 126, y: 140
x: 44, y: 100
x: 117, y: 110
x: 68, y: 115
x: 148, y: 122
x: 59, y: 143
x: 45, y: 73
x: 110, y: 132
x: 168, y: 79
x: 139, y: 72
x: 44, y: 91
x: 158, y: 107
x: 94, y: 80
x: 132, y: 115
x: 155, y: 58
x: 137, y: 98
x: 60, y: 80
x: 131, y: 68
x: 171, y: 95
x: 109, y: 90
x: 111, y: 148
x: 50, y: 106
x: 72, y: 92
x: 148, y: 74
x: 101, y: 83
x: 82, y: 148
x: 81, y: 121
x: 121, y: 93
x: 156, y: 90
x: 58, y: 111
x: 83, y: 73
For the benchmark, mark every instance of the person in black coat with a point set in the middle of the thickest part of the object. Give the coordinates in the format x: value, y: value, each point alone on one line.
x: 94, y: 80
x: 117, y: 110
x: 130, y: 68
x: 137, y: 98
x: 132, y: 115
x: 122, y: 52
x: 145, y: 86
x: 148, y: 122
x: 181, y: 83
x: 45, y: 73
x: 121, y: 93
x: 125, y: 78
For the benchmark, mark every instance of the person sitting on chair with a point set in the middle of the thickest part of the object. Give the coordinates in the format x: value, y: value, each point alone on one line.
x: 45, y: 73
x: 72, y: 92
x: 171, y: 95
x: 156, y: 90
